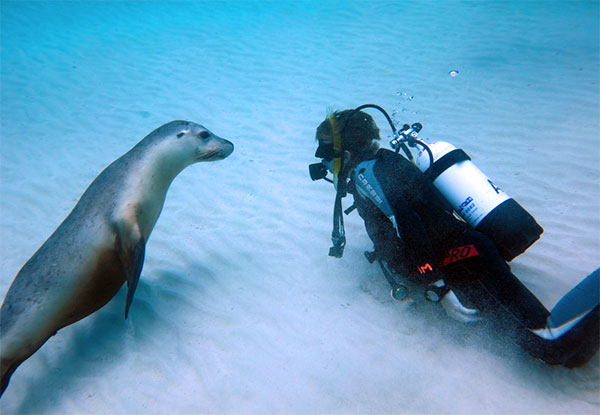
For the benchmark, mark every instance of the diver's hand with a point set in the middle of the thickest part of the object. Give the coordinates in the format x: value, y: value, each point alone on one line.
x: 439, y: 292
x: 457, y: 311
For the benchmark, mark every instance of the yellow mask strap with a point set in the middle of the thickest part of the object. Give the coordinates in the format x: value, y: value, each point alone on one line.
x: 337, y: 148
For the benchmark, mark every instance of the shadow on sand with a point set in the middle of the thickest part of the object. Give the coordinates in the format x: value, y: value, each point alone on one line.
x: 105, y: 338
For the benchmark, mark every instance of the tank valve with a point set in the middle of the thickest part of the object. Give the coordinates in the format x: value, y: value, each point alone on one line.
x: 408, y: 133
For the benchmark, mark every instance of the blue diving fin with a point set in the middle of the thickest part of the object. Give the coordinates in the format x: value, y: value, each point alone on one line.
x: 578, y: 302
x: 572, y: 336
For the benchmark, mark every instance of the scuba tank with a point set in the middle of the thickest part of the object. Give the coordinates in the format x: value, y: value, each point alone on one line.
x: 477, y: 200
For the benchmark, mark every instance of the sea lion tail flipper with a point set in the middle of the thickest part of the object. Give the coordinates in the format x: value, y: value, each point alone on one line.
x: 132, y: 249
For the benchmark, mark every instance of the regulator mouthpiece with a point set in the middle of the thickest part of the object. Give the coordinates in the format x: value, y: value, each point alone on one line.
x: 317, y: 171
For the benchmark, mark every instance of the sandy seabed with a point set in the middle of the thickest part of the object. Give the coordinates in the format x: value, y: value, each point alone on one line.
x: 239, y: 308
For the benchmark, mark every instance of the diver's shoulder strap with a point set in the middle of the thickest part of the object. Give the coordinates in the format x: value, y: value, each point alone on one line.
x: 368, y: 187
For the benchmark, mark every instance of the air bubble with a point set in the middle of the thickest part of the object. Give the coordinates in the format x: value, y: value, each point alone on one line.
x: 453, y: 73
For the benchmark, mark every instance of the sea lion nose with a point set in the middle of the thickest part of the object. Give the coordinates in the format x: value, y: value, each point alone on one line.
x: 227, y: 148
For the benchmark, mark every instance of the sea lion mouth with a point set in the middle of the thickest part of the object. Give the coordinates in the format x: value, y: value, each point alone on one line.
x: 211, y: 156
x: 219, y: 153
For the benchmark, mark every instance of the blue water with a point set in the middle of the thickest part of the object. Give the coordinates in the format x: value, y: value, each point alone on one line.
x: 257, y: 318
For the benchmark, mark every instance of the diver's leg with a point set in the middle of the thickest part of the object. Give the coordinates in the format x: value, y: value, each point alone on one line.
x: 486, y: 279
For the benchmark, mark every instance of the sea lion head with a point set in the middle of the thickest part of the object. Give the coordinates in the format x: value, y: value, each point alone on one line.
x: 190, y: 142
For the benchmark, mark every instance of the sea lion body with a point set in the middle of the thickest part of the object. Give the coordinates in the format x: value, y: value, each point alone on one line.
x: 101, y: 243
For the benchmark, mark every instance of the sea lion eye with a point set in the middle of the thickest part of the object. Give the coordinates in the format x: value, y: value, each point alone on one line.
x: 204, y: 135
x: 181, y: 134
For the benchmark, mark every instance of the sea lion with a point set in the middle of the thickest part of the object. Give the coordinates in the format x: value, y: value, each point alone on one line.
x: 101, y: 243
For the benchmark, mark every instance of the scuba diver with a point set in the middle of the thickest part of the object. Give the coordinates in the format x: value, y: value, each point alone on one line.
x: 443, y: 230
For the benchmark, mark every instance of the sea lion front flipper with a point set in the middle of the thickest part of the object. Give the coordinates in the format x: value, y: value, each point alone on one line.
x: 132, y: 248
x: 133, y: 273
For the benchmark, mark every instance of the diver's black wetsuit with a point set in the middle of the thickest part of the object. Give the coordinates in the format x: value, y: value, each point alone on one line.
x: 431, y: 237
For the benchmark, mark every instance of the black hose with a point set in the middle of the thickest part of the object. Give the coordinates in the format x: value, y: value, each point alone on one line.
x: 387, y: 117
x: 429, y: 153
x: 384, y: 112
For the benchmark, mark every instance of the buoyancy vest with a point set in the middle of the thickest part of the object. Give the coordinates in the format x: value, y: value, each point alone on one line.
x: 403, y: 213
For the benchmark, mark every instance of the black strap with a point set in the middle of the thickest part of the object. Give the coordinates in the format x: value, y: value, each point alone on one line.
x: 444, y: 163
x: 338, y: 236
x: 350, y: 209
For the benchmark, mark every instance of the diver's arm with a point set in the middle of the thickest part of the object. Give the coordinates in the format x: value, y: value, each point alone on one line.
x: 394, y: 226
x: 419, y: 257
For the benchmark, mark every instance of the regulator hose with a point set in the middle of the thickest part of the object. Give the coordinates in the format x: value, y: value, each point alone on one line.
x: 426, y: 147
x: 389, y: 120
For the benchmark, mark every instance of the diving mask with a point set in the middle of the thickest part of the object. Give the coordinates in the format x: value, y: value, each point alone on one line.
x: 319, y: 170
x: 331, y: 154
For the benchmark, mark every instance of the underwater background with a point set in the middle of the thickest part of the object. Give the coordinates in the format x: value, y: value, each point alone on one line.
x: 239, y: 309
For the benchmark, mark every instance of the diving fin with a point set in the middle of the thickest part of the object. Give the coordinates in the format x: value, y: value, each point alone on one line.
x: 577, y: 302
x: 572, y: 336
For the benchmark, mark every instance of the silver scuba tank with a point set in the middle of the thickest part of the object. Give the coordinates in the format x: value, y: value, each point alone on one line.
x: 477, y: 200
